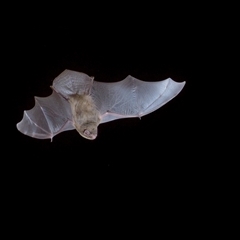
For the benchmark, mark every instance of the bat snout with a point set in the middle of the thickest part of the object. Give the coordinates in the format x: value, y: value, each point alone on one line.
x: 89, y: 135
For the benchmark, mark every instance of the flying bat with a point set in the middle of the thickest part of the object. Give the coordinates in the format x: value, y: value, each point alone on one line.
x: 78, y: 102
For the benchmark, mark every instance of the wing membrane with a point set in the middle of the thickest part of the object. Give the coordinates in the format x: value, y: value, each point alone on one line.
x: 49, y: 116
x: 132, y: 97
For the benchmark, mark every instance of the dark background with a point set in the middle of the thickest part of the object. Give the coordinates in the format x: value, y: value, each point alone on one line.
x: 147, y: 54
x: 156, y: 153
x: 156, y: 167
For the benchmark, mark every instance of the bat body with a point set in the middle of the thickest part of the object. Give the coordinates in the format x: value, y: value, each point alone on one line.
x: 78, y: 102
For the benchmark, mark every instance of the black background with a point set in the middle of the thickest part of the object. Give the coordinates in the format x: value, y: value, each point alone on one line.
x: 145, y: 50
x: 156, y: 155
x: 156, y: 139
x: 155, y: 171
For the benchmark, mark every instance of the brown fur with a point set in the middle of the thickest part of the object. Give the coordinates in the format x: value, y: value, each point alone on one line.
x: 85, y: 115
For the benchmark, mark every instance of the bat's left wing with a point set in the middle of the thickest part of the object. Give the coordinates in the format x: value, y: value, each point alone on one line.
x: 132, y: 97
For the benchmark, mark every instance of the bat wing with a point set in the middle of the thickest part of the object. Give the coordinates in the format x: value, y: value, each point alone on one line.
x: 50, y: 116
x: 71, y: 82
x: 132, y: 97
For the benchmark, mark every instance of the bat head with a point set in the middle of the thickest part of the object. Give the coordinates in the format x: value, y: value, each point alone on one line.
x: 88, y: 131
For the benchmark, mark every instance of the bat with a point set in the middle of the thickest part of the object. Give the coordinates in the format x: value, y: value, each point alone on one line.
x: 78, y: 102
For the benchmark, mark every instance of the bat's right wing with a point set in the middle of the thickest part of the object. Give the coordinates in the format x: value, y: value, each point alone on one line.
x: 50, y: 116
x: 132, y: 97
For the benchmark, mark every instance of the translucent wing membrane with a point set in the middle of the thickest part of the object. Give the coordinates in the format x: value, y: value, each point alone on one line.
x: 49, y: 116
x: 132, y: 97
x: 71, y: 82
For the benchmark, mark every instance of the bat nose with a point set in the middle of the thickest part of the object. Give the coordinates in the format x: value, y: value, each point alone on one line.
x: 90, y: 136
